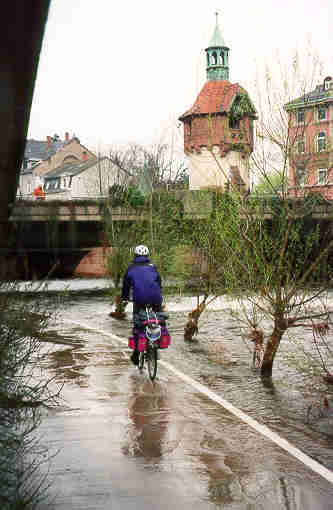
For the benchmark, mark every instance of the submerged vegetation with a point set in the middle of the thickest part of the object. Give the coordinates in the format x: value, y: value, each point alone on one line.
x: 24, y: 391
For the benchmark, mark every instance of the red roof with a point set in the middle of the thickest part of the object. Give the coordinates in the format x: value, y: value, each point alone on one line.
x: 215, y: 96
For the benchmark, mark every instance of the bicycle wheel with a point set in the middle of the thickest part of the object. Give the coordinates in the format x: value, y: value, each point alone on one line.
x: 141, y: 360
x: 152, y: 362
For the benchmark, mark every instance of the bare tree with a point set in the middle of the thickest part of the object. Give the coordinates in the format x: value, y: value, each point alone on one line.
x: 149, y: 167
x: 272, y: 257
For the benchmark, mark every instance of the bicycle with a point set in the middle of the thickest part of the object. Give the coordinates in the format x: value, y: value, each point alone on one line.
x: 149, y: 355
x: 152, y: 335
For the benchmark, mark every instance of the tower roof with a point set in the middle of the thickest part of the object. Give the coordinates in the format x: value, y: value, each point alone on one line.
x: 217, y: 40
x: 214, y: 97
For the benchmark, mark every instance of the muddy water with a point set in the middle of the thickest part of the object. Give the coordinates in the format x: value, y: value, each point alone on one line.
x: 128, y: 443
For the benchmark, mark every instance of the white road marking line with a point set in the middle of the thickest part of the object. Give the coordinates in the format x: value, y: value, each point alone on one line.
x: 265, y: 431
x: 101, y: 331
x: 259, y: 427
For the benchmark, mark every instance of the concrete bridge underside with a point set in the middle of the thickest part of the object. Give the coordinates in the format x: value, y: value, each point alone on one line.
x: 21, y: 35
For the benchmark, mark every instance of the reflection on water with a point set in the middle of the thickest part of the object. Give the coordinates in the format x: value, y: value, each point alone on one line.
x: 69, y: 365
x: 224, y: 456
x: 148, y: 412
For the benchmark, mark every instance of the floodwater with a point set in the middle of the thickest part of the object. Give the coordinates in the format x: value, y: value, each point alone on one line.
x: 124, y: 442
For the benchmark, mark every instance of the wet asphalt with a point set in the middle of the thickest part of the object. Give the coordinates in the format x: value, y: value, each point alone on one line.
x: 119, y: 441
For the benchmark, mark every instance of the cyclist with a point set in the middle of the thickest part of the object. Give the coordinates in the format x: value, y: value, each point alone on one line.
x: 143, y: 279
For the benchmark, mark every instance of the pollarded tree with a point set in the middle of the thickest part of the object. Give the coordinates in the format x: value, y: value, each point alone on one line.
x: 276, y: 265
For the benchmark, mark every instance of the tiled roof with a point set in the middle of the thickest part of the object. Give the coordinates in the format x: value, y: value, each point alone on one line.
x: 72, y: 168
x: 215, y: 97
x: 37, y: 150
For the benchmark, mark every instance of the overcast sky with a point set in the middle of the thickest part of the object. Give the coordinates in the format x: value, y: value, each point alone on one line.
x: 114, y: 72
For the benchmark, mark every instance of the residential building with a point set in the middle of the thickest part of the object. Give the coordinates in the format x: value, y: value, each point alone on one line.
x: 218, y: 128
x: 310, y: 121
x: 36, y: 151
x: 91, y: 178
x: 41, y: 157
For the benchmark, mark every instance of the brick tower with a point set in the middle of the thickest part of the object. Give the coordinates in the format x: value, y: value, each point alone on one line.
x: 218, y: 128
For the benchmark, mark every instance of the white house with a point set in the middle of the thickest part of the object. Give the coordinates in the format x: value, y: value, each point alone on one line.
x: 87, y: 179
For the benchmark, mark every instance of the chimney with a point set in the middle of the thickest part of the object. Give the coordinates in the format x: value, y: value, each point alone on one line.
x: 66, y: 137
x: 84, y: 156
x: 48, y: 142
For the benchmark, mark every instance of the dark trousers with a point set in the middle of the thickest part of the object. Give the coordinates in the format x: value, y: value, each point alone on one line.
x: 154, y: 306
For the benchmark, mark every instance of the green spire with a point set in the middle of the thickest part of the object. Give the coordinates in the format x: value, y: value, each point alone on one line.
x: 217, y: 56
x: 217, y: 39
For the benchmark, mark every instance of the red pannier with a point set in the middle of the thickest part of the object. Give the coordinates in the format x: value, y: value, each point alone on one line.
x: 142, y: 342
x: 165, y: 339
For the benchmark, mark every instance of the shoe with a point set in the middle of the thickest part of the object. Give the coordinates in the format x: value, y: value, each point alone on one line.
x: 135, y: 358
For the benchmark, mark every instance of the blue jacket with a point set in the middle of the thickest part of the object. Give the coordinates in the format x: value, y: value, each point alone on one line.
x: 143, y: 277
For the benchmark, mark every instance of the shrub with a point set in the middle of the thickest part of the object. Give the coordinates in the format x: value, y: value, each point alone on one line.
x: 23, y: 393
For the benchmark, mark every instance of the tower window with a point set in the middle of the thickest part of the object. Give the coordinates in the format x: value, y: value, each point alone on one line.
x: 214, y: 58
x: 328, y: 83
x: 234, y: 123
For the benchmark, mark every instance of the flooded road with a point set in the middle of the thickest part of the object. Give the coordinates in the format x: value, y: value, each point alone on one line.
x: 124, y: 442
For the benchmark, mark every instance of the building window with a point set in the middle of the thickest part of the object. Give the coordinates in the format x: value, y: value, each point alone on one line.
x: 321, y: 141
x: 301, y: 146
x: 302, y: 175
x: 321, y: 112
x: 300, y: 115
x: 322, y: 176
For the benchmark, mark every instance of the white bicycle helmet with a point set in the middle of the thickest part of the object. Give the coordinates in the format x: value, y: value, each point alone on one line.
x: 141, y: 250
